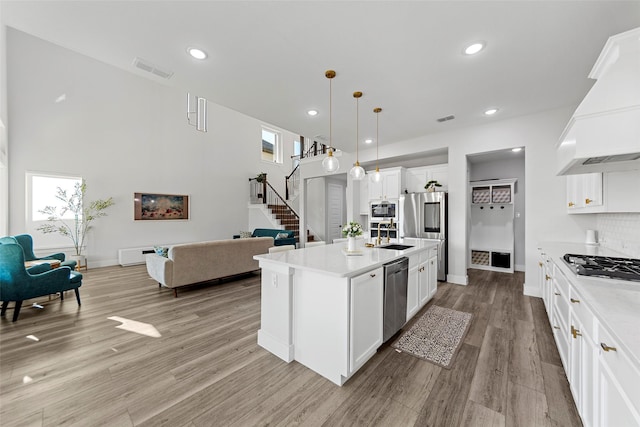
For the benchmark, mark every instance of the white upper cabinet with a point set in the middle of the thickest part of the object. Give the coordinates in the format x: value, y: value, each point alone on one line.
x: 418, y: 177
x: 584, y: 193
x: 389, y: 187
x: 603, y: 192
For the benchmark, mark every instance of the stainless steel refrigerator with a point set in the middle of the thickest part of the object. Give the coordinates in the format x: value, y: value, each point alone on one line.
x: 424, y: 216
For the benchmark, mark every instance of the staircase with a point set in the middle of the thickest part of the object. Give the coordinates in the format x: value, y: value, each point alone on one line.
x: 287, y: 218
x: 262, y: 192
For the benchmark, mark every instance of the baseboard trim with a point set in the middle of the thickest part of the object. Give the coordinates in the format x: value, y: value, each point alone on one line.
x: 532, y: 291
x: 271, y: 344
x: 457, y: 279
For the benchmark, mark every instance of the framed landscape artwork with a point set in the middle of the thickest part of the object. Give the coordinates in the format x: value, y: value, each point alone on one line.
x: 157, y: 207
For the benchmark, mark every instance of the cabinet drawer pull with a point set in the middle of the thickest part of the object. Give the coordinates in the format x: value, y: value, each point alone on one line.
x: 372, y: 275
x: 556, y: 327
x: 575, y: 332
x: 607, y: 348
x: 575, y: 301
x: 556, y: 294
x: 587, y: 200
x: 547, y: 277
x: 571, y: 204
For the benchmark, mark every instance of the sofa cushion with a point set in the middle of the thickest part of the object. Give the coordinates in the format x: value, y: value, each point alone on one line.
x: 246, y: 234
x: 282, y: 236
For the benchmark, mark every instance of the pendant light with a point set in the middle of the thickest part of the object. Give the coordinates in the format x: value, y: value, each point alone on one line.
x: 357, y: 172
x: 376, y: 177
x: 330, y: 164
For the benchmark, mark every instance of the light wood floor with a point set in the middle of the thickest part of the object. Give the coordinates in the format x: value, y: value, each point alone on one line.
x: 207, y: 370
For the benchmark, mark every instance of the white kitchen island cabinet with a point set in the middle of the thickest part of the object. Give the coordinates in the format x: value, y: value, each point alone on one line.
x: 323, y: 308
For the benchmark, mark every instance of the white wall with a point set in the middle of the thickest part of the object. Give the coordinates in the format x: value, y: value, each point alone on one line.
x: 4, y: 159
x: 508, y: 168
x: 125, y: 134
x: 546, y: 218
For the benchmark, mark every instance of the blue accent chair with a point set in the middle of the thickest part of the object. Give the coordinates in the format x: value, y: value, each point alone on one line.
x: 26, y: 241
x: 17, y: 284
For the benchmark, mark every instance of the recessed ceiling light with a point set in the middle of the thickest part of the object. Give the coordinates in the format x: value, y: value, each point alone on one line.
x: 474, y: 48
x: 312, y: 112
x: 197, y: 53
x: 515, y: 150
x: 368, y: 141
x: 491, y: 111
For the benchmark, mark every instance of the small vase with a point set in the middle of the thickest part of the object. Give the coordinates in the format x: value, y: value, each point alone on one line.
x: 351, y: 244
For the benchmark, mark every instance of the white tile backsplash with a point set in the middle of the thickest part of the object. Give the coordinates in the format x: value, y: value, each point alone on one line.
x: 620, y: 232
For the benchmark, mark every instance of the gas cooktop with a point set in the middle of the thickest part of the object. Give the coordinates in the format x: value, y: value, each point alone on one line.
x: 601, y: 266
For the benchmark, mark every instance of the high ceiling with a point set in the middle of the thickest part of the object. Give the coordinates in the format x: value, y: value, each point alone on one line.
x: 267, y: 59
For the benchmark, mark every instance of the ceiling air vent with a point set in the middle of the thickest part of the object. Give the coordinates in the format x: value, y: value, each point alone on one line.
x: 147, y: 66
x: 445, y: 119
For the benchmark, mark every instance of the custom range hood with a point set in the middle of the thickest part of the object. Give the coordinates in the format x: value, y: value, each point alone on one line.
x: 604, y: 132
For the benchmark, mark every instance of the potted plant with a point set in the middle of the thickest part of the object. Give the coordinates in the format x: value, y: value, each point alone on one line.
x: 77, y: 227
x: 352, y: 230
x: 262, y: 176
x: 431, y: 186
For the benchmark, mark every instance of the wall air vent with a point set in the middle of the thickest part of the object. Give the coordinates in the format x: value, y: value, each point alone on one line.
x: 445, y: 119
x: 611, y: 159
x: 147, y: 66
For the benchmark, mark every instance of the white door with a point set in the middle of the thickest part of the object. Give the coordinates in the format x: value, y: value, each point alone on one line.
x: 335, y: 206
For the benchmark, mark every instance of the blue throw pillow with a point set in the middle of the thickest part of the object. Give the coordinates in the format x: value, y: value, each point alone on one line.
x: 282, y: 236
x: 162, y: 251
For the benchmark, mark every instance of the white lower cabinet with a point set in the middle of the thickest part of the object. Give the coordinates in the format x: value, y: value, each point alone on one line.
x: 433, y: 272
x: 365, y: 332
x: 618, y: 384
x: 413, y: 291
x: 423, y: 280
x: 604, y: 381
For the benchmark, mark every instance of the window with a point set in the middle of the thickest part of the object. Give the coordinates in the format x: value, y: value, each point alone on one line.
x: 42, y: 190
x: 271, y: 145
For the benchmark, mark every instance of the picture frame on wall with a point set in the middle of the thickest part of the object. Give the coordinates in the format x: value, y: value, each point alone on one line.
x: 160, y: 207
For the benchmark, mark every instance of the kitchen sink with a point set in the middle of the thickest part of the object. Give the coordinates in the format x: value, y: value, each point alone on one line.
x: 396, y: 247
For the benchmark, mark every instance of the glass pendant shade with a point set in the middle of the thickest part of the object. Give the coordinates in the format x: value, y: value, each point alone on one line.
x: 330, y: 164
x: 376, y: 176
x: 357, y: 172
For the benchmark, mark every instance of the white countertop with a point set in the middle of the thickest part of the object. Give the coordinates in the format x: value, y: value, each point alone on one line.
x: 331, y: 260
x: 615, y: 302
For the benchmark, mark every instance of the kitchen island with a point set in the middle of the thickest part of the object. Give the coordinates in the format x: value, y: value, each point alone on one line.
x: 324, y: 308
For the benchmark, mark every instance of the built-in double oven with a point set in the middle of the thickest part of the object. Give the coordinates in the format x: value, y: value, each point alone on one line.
x: 384, y: 217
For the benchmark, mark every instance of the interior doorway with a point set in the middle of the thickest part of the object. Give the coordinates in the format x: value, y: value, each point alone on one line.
x: 492, y: 167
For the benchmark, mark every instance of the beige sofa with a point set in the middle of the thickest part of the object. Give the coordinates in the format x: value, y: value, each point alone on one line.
x: 199, y: 262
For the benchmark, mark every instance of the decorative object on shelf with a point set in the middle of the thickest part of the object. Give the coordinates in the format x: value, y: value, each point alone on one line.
x: 160, y: 206
x: 197, y: 108
x: 376, y: 177
x: 357, y: 172
x: 330, y: 164
x: 351, y: 231
x: 431, y: 186
x: 77, y: 227
x: 262, y: 176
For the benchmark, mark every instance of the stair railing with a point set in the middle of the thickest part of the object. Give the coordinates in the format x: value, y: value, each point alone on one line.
x: 269, y: 196
x: 292, y: 181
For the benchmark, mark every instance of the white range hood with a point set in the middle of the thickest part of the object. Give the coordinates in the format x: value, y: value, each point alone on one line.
x: 604, y: 133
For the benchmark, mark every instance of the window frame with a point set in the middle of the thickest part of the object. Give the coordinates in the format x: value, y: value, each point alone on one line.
x: 277, y: 146
x: 29, y: 195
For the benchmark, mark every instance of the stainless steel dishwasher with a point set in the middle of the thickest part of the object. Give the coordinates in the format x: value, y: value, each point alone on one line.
x: 396, y: 274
